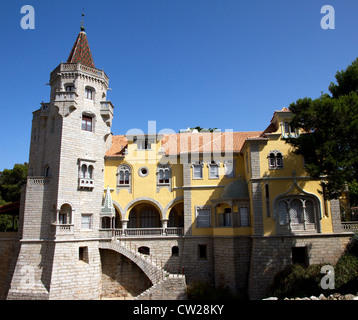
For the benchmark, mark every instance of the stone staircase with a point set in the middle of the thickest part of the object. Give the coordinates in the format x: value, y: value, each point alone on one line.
x: 166, y: 286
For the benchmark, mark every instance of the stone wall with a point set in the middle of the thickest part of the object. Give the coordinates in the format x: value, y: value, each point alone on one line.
x: 76, y: 275
x: 120, y: 276
x: 272, y: 254
x: 9, y: 249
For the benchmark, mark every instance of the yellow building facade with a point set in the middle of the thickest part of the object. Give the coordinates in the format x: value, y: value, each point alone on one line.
x: 223, y: 173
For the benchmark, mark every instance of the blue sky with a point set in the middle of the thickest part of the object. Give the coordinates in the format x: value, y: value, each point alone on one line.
x: 226, y: 64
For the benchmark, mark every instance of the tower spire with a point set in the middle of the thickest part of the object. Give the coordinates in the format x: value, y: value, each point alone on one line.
x: 83, y: 14
x: 81, y: 52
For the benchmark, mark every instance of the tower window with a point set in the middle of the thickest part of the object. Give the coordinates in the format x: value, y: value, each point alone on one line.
x: 87, y: 123
x: 89, y: 94
x: 70, y: 88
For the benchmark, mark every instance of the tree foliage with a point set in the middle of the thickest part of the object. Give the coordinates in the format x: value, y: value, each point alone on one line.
x: 11, y: 181
x: 329, y: 138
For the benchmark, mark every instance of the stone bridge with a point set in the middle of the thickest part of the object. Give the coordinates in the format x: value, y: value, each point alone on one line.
x: 165, y: 286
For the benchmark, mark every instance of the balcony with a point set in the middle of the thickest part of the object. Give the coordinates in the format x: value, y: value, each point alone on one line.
x: 65, y: 96
x: 350, y: 226
x: 107, y: 109
x: 63, y: 229
x: 85, y: 183
x: 142, y: 232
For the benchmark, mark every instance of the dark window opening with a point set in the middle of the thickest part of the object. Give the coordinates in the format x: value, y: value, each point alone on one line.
x: 202, y: 251
x: 300, y: 256
x: 175, y: 251
x: 144, y: 250
x: 83, y: 254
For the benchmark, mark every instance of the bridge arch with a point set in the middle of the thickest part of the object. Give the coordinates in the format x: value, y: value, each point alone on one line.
x: 152, y: 271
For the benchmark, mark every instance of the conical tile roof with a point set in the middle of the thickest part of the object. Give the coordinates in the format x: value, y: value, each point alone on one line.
x: 81, y: 52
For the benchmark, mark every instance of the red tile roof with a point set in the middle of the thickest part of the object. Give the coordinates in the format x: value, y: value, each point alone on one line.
x: 188, y: 142
x: 81, y: 52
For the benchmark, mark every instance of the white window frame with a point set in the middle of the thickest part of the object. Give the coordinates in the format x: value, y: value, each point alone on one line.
x: 84, y: 223
x: 214, y: 165
x: 197, y: 164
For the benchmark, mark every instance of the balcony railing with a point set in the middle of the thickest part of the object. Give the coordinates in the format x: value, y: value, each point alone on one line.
x: 350, y: 226
x: 64, y: 229
x: 142, y: 232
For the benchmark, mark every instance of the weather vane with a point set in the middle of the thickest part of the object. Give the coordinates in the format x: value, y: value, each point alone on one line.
x: 83, y: 14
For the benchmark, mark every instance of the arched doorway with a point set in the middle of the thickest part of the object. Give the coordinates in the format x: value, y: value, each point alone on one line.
x: 176, y: 216
x: 144, y: 216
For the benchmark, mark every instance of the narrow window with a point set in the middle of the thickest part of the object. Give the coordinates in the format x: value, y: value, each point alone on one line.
x: 244, y: 217
x: 90, y: 172
x: 202, y: 252
x: 198, y: 170
x: 83, y: 254
x: 86, y: 123
x: 267, y: 195
x: 213, y: 170
x: 279, y: 163
x: 272, y: 160
x: 88, y: 94
x: 175, y: 251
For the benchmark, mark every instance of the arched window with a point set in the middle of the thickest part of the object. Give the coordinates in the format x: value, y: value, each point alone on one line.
x: 123, y: 175
x: 65, y: 214
x: 83, y: 171
x: 47, y: 171
x: 275, y: 159
x: 86, y: 173
x: 90, y: 172
x: 298, y: 212
x: 175, y: 251
x: 163, y: 174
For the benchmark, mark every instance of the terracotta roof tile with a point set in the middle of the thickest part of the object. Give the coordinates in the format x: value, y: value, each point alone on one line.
x: 81, y: 52
x: 192, y: 142
x: 119, y: 143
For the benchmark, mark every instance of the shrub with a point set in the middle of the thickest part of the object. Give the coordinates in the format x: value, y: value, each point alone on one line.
x: 297, y: 281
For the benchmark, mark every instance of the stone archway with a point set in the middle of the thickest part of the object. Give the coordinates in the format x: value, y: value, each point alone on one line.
x: 121, y: 277
x: 144, y: 215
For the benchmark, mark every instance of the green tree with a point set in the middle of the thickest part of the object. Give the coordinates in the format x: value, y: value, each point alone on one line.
x: 11, y: 181
x: 329, y: 142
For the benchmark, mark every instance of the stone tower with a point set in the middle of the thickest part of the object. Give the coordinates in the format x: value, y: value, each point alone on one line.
x: 62, y: 200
